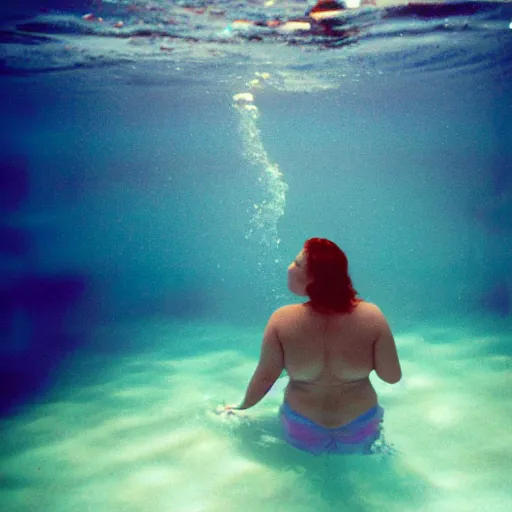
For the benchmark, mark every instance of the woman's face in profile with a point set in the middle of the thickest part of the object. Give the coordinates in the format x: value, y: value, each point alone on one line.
x: 297, y: 276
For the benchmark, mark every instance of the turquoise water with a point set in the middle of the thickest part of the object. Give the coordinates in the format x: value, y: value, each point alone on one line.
x: 148, y: 220
x: 132, y: 426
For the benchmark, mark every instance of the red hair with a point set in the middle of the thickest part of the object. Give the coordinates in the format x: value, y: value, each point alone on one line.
x: 330, y: 289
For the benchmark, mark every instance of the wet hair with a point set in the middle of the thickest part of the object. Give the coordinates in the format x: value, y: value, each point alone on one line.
x: 330, y: 289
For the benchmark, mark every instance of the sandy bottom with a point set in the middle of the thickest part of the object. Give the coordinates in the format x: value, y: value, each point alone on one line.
x: 132, y: 428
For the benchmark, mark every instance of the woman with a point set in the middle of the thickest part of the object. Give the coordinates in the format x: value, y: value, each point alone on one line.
x: 328, y: 346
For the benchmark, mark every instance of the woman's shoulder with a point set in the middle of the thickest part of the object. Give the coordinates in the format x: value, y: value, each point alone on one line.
x: 289, y: 309
x: 369, y: 311
x: 367, y: 306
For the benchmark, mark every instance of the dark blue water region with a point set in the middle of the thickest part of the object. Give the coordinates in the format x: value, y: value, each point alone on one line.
x: 33, y: 304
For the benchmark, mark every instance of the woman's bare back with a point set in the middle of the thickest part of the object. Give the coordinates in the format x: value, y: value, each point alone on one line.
x: 329, y: 359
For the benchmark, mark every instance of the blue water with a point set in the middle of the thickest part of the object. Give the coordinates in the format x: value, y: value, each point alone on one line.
x: 147, y: 223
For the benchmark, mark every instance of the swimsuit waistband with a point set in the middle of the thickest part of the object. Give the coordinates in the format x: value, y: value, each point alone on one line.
x: 370, y: 414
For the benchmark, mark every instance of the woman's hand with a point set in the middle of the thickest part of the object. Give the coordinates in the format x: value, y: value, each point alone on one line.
x: 227, y: 409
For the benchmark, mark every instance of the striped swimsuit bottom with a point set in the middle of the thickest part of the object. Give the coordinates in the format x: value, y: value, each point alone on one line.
x: 356, y: 437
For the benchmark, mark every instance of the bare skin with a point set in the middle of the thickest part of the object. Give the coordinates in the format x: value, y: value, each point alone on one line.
x: 328, y: 357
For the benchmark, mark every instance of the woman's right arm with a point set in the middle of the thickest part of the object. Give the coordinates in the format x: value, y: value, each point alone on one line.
x: 385, y: 356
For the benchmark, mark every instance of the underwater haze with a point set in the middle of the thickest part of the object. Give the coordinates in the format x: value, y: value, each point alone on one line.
x: 161, y: 164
